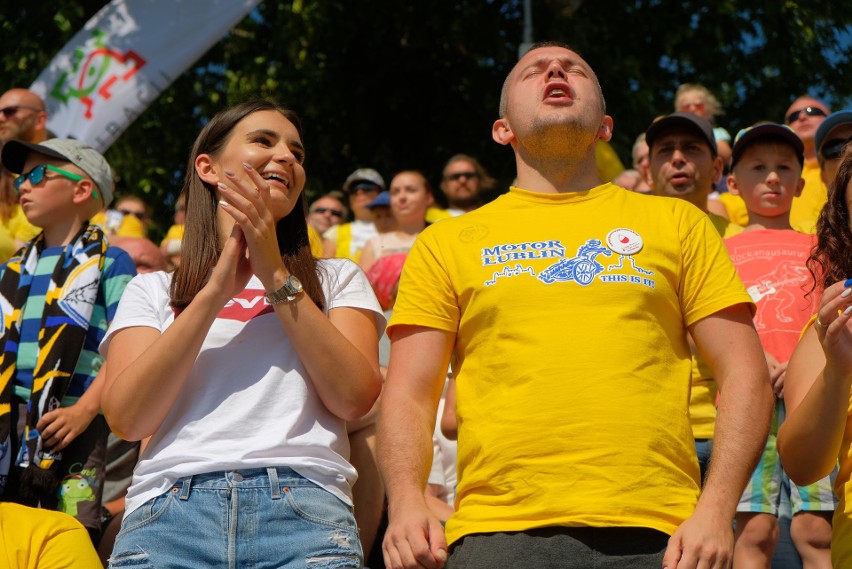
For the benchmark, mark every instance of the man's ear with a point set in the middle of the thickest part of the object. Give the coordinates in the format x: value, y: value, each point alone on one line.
x: 718, y: 168
x: 800, y: 185
x: 206, y: 170
x: 605, y: 131
x: 501, y: 132
x: 733, y: 189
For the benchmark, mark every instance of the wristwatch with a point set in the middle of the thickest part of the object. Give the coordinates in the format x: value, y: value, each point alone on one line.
x: 287, y: 293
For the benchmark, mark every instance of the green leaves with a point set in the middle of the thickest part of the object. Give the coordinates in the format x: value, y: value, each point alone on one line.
x: 405, y: 85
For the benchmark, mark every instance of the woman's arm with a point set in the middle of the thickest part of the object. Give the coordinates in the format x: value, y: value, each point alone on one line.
x: 146, y: 370
x: 816, y: 392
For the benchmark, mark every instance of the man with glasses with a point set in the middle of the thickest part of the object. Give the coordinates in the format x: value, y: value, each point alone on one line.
x: 327, y: 211
x: 22, y: 117
x: 804, y: 117
x: 347, y: 239
x: 831, y: 137
x: 463, y: 182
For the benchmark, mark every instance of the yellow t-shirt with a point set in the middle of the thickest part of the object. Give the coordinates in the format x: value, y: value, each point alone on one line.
x: 736, y: 208
x: 571, y: 361
x: 434, y: 214
x: 316, y: 242
x: 702, y: 398
x: 43, y: 539
x: 806, y: 207
x: 16, y: 228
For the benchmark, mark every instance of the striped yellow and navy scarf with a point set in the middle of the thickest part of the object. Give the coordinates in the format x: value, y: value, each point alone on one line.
x: 68, y: 308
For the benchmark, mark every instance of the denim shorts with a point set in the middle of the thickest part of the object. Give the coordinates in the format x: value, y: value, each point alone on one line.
x: 258, y: 518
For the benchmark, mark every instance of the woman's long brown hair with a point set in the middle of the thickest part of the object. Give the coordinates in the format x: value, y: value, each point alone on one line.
x: 201, y: 244
x: 831, y: 258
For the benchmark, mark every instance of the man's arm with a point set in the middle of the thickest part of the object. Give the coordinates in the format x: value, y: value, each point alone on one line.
x: 731, y: 348
x: 416, y: 373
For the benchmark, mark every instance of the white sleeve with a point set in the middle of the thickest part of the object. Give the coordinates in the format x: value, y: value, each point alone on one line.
x: 145, y: 302
x: 346, y: 285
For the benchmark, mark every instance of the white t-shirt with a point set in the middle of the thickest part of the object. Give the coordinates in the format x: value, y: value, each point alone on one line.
x: 247, y: 403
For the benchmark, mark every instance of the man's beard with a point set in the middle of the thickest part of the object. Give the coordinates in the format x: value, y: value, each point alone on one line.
x: 466, y: 202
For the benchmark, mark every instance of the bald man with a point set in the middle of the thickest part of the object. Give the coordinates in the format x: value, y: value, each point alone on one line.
x: 22, y: 116
x: 145, y: 254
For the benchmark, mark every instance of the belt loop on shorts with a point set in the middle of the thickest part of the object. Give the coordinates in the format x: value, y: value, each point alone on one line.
x: 184, y: 491
x: 273, y: 482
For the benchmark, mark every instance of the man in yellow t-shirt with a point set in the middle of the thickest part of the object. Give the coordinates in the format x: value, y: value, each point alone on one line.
x: 564, y: 306
x: 684, y: 164
x: 804, y: 116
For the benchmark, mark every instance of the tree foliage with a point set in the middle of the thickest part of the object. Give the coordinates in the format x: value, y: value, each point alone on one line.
x: 398, y: 85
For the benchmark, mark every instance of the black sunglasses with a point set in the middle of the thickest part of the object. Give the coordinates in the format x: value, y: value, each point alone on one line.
x: 12, y: 110
x: 334, y: 212
x: 136, y: 214
x: 832, y: 149
x: 810, y: 111
x: 459, y: 175
x: 364, y: 187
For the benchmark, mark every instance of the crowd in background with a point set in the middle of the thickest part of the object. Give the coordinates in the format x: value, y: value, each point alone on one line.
x: 374, y: 221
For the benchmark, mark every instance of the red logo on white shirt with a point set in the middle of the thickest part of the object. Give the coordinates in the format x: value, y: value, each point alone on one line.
x: 245, y: 306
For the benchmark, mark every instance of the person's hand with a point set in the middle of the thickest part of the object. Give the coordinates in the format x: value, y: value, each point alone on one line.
x: 834, y: 329
x: 249, y: 203
x: 233, y: 269
x: 61, y: 426
x: 414, y: 539
x: 701, y: 542
x: 777, y: 373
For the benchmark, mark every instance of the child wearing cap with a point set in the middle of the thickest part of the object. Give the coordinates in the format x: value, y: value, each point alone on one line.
x: 770, y: 259
x: 58, y: 294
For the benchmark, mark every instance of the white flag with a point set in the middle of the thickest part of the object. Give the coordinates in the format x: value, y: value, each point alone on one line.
x: 123, y: 58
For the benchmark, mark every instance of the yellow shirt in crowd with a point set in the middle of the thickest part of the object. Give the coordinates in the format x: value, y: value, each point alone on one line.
x: 806, y: 207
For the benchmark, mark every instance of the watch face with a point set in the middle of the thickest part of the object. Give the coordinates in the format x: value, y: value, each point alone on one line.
x: 295, y: 282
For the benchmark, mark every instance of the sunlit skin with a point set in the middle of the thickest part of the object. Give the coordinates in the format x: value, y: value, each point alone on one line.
x: 145, y: 254
x: 322, y: 221
x: 359, y: 200
x: 383, y: 219
x: 694, y: 102
x: 271, y: 145
x: 828, y: 170
x: 463, y: 189
x: 768, y: 177
x: 552, y: 95
x: 683, y: 166
x: 410, y: 199
x: 805, y: 125
x: 48, y: 203
x: 28, y: 124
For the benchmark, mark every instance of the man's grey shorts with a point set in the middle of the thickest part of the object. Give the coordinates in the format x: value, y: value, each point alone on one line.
x: 562, y: 547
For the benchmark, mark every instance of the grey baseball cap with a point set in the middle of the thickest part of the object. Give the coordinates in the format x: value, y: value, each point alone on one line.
x: 364, y: 175
x: 86, y: 158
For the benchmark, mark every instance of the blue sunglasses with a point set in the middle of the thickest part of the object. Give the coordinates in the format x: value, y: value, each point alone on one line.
x: 36, y: 175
